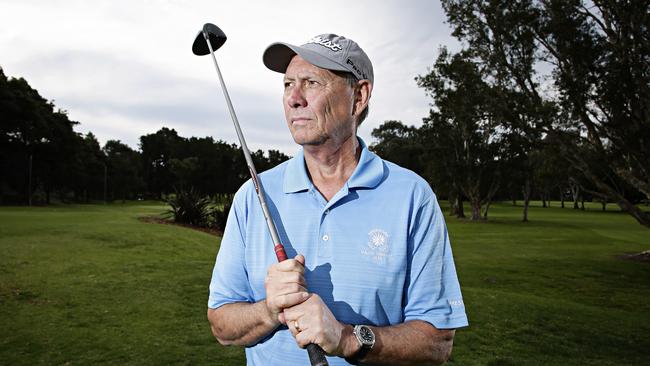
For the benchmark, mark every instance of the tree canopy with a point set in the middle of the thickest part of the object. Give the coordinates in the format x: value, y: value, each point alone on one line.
x: 550, y: 94
x: 41, y: 157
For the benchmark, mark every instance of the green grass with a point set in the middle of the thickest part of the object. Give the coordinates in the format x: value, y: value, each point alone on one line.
x: 90, y: 284
x: 552, y: 291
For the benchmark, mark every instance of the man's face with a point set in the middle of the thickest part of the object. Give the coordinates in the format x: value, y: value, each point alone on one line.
x: 318, y: 104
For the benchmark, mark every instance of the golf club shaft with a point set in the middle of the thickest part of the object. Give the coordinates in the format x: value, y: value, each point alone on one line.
x: 316, y: 353
x: 279, y: 248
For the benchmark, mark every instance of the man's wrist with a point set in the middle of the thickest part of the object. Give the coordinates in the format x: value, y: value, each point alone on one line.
x: 350, y: 345
x: 271, y: 319
x: 365, y: 338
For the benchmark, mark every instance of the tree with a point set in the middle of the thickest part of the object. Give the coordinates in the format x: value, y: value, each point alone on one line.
x: 399, y: 144
x: 157, y: 151
x: 124, y: 167
x: 551, y: 173
x: 499, y: 40
x: 89, y: 176
x: 36, y: 143
x: 601, y: 51
x: 599, y: 55
x: 462, y: 130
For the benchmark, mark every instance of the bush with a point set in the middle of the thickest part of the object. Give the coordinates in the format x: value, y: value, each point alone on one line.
x: 220, y: 211
x: 189, y: 207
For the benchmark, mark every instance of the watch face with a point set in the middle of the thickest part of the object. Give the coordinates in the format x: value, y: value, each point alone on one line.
x: 367, y: 337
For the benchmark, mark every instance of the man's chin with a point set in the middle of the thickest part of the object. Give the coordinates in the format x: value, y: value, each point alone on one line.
x: 309, y: 140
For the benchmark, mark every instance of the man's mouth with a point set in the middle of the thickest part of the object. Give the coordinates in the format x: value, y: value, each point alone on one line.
x: 299, y: 120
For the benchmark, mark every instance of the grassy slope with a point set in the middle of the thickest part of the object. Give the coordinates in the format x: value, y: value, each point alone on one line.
x: 92, y: 285
x: 551, y: 291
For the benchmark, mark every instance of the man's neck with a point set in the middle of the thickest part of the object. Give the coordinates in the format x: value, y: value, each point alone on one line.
x: 329, y: 167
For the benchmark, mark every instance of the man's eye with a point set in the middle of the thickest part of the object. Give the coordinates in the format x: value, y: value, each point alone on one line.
x: 312, y: 82
x: 287, y: 84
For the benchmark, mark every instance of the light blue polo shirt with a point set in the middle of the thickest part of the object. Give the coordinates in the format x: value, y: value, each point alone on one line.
x: 377, y: 253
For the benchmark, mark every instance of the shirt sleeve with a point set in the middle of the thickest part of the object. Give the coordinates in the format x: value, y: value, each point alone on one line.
x: 229, y: 277
x: 432, y: 290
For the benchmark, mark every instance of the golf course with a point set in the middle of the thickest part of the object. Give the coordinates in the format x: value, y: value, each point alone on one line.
x: 95, y: 284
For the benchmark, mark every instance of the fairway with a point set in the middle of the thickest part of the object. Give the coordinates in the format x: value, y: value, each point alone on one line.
x: 91, y: 284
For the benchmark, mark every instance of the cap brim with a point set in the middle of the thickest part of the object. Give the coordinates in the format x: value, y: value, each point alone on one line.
x: 278, y: 55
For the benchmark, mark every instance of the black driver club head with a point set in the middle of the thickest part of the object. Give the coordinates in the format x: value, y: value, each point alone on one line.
x: 216, y: 36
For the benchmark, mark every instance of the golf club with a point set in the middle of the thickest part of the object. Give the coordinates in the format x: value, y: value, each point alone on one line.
x: 208, y: 40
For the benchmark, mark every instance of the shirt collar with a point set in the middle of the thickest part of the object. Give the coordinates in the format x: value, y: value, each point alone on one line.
x: 295, y: 175
x: 368, y: 173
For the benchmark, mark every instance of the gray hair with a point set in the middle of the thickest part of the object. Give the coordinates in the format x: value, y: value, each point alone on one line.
x: 352, y: 81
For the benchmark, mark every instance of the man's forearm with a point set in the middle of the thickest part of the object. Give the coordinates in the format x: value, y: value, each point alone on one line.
x: 241, y: 323
x: 412, y: 343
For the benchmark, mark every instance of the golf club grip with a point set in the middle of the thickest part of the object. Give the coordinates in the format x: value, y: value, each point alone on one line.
x: 280, y: 253
x: 316, y: 355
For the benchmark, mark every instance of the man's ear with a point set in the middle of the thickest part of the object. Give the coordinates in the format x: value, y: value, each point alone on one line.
x: 361, y: 96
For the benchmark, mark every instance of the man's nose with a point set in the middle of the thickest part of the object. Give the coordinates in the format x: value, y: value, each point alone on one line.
x: 296, y: 98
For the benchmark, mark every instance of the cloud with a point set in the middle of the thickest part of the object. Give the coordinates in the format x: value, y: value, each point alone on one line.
x: 124, y: 68
x: 110, y: 95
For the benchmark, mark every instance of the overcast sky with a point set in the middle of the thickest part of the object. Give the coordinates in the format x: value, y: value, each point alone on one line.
x: 125, y: 68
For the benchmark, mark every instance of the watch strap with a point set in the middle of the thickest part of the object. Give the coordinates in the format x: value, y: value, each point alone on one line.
x: 357, y: 357
x: 360, y: 354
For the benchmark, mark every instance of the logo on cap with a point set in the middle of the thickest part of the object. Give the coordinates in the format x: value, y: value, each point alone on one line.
x: 326, y: 43
x: 356, y: 69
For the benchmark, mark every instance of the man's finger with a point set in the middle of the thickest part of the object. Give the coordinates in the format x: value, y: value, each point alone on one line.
x: 301, y: 259
x: 286, y: 288
x: 306, y: 337
x: 290, y: 265
x: 289, y: 300
x: 281, y: 279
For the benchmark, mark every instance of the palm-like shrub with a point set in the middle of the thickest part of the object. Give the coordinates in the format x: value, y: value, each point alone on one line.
x: 190, y: 207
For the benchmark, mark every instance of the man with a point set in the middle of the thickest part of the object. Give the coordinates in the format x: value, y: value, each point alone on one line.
x: 372, y: 278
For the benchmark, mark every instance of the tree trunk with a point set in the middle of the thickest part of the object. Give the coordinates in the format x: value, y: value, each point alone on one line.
x: 575, y: 194
x: 453, y: 203
x: 485, y: 212
x: 494, y: 187
x: 29, y: 181
x: 641, y: 216
x: 460, y: 211
x: 525, y: 219
x: 526, y: 191
x: 476, y: 208
x: 582, y: 203
x: 562, y: 197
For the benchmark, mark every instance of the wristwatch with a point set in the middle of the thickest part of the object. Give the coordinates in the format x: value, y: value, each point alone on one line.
x: 366, y: 339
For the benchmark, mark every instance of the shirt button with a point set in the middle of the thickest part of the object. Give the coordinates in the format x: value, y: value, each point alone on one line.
x: 326, y: 237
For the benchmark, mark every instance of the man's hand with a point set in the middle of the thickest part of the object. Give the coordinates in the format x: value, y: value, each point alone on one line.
x: 316, y: 324
x: 285, y: 286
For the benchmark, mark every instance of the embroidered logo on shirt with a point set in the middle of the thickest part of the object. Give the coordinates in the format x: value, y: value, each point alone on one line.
x: 377, y: 247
